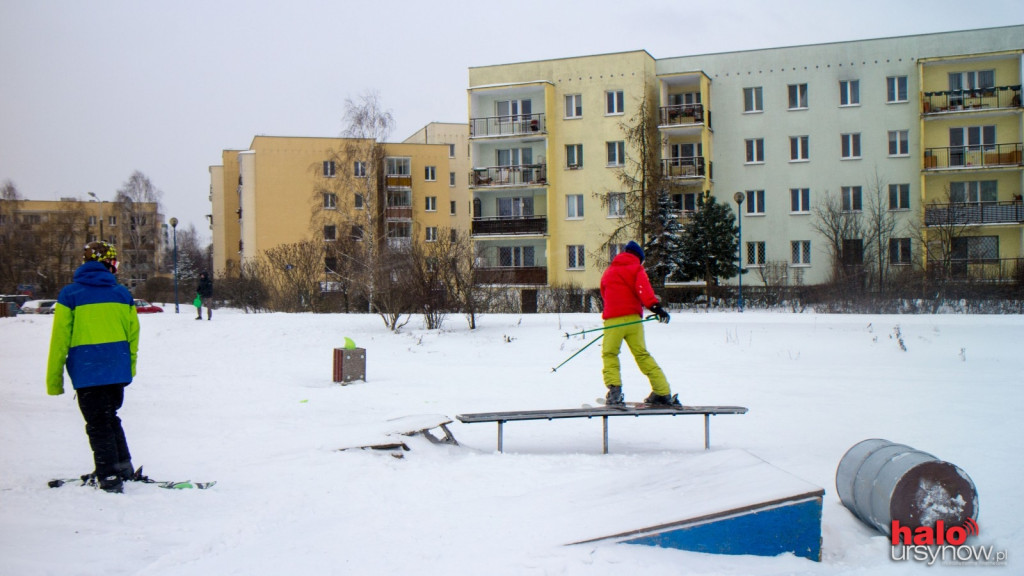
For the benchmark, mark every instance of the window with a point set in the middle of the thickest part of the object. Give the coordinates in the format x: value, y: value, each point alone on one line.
x: 899, y: 251
x: 974, y: 192
x: 755, y: 254
x: 899, y: 142
x: 398, y: 166
x: 111, y: 221
x: 800, y: 200
x: 514, y: 156
x: 451, y: 150
x: 797, y: 96
x: 330, y: 265
x: 574, y: 156
x: 753, y: 101
x: 515, y: 207
x: 92, y: 219
x: 853, y: 252
x: 330, y: 232
x: 755, y: 202
x: 899, y: 196
x: 972, y: 80
x: 359, y: 169
x: 431, y: 234
x: 849, y: 93
x: 357, y: 201
x: 684, y: 202
x: 509, y: 111
x: 976, y: 248
x: 850, y: 144
x: 431, y: 204
x: 330, y: 201
x: 616, y: 153
x: 451, y: 208
x: 574, y: 105
x: 851, y: 198
x: 616, y: 204
x: 614, y: 250
x: 575, y: 259
x: 614, y: 102
x: 356, y: 233
x: 451, y: 179
x: 967, y: 143
x: 896, y: 89
x: 798, y: 148
x: 515, y: 256
x: 328, y: 168
x: 755, y: 151
x: 574, y: 206
x: 430, y: 173
x: 801, y: 252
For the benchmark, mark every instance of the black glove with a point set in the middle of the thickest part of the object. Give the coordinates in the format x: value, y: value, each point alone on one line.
x: 663, y: 316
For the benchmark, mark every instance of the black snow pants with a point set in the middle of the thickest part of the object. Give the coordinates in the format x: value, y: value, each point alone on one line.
x: 99, y: 406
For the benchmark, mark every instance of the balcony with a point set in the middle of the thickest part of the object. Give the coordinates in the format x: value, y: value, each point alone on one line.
x: 527, y: 174
x: 977, y: 269
x: 683, y: 167
x: 518, y: 125
x: 975, y: 213
x: 533, y: 275
x: 682, y: 115
x: 999, y: 97
x: 398, y: 213
x: 973, y: 157
x: 510, y: 226
x: 398, y: 181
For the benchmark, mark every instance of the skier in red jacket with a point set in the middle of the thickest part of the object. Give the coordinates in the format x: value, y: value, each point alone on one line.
x: 626, y: 291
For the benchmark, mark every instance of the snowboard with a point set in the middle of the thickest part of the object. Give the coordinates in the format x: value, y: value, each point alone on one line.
x: 90, y: 480
x: 638, y: 405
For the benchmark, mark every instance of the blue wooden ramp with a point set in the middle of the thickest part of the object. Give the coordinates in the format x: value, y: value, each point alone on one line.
x: 726, y: 502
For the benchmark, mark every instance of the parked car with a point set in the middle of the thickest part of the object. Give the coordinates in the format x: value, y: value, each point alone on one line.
x: 38, y: 307
x: 143, y: 307
x: 10, y: 304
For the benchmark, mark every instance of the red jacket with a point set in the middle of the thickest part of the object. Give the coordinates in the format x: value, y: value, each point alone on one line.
x: 625, y: 287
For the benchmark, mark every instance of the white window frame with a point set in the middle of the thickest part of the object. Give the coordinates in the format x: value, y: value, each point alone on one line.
x: 357, y: 201
x: 755, y: 202
x: 574, y: 156
x: 616, y: 205
x: 614, y: 103
x: 899, y: 143
x: 451, y: 209
x: 902, y: 248
x: 430, y: 234
x: 451, y: 150
x: 330, y: 201
x: 430, y: 173
x: 799, y: 148
x: 849, y: 93
x: 359, y: 169
x: 973, y: 191
x: 799, y: 200
x: 330, y: 233
x: 755, y: 150
x: 899, y: 197
x: 849, y: 146
x: 756, y: 254
x: 573, y: 106
x: 852, y: 198
x: 753, y: 100
x: 575, y: 257
x: 451, y: 179
x: 574, y: 207
x: 800, y: 253
x: 798, y: 96
x: 896, y: 90
x: 329, y: 169
x: 616, y: 153
x: 430, y: 203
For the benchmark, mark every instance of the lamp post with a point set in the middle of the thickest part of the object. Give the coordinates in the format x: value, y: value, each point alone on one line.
x: 174, y: 228
x: 738, y: 197
x: 95, y: 197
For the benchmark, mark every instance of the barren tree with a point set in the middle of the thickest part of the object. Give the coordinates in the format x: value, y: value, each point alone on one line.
x: 10, y: 203
x: 879, y: 228
x: 836, y: 223
x: 138, y: 226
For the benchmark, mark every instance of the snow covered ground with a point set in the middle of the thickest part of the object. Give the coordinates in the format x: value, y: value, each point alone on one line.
x: 247, y: 400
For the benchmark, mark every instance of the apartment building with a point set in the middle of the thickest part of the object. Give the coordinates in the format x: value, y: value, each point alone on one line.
x: 284, y: 190
x: 896, y: 127
x: 42, y: 240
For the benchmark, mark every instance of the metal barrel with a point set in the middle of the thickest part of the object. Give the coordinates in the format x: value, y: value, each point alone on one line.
x: 881, y: 481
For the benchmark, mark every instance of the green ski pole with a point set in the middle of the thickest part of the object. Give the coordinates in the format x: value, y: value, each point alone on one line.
x: 580, y: 333
x: 555, y: 369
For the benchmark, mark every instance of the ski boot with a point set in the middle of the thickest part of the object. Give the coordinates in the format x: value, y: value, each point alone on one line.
x: 667, y: 400
x: 614, y: 397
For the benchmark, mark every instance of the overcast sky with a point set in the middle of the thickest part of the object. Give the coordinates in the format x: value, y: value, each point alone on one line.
x: 93, y: 91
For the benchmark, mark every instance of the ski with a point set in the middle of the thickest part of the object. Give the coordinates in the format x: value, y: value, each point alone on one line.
x: 90, y: 480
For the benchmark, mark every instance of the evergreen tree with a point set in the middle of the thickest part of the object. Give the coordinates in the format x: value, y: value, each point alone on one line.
x: 665, y: 247
x: 710, y: 245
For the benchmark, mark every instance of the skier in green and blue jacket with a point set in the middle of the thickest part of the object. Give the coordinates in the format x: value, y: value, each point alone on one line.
x: 96, y: 335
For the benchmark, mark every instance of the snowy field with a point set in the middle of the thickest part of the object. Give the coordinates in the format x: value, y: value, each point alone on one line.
x: 247, y: 400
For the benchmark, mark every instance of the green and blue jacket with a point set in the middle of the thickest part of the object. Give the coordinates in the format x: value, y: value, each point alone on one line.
x: 95, y: 332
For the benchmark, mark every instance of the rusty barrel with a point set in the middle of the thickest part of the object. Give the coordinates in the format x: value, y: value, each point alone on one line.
x: 881, y: 481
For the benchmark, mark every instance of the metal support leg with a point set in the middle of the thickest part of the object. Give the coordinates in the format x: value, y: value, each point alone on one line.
x: 604, y: 424
x: 501, y: 424
x: 707, y: 431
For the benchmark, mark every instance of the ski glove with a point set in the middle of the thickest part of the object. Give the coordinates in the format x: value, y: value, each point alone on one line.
x: 663, y: 316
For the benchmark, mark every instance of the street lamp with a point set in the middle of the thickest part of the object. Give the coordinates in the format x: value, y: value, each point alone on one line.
x: 174, y: 228
x: 738, y: 197
x: 95, y: 197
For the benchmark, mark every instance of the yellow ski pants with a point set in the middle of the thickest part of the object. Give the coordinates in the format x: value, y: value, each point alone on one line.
x: 634, y: 337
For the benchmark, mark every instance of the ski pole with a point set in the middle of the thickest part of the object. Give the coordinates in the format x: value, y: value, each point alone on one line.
x: 592, y: 342
x: 647, y: 319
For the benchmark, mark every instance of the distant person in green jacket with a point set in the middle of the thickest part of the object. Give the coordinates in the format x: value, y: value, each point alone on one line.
x: 96, y: 336
x: 204, y: 294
